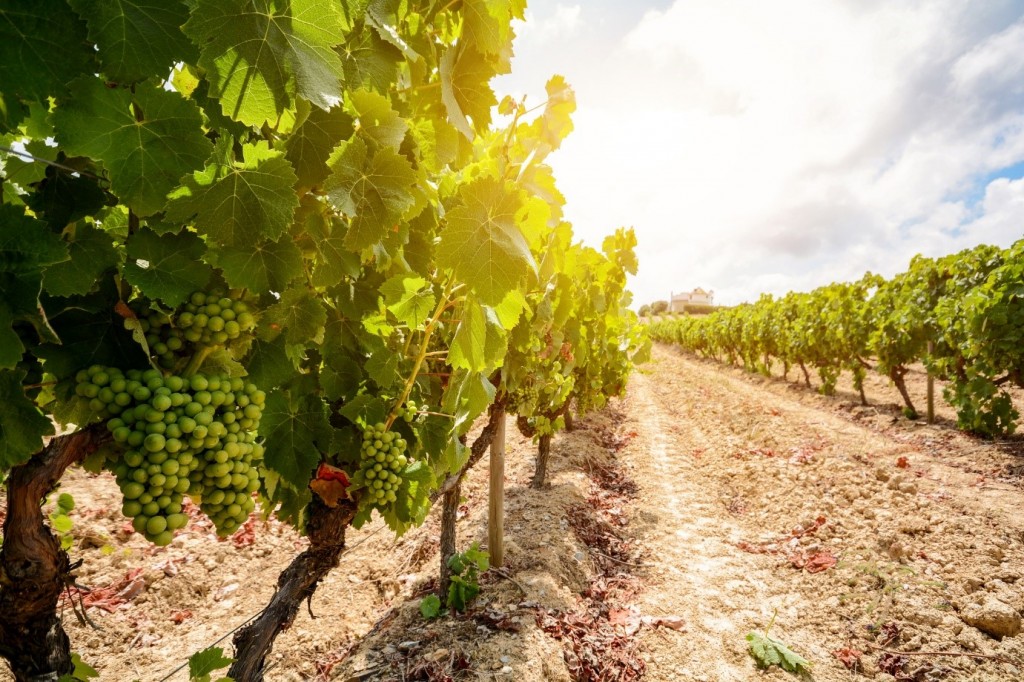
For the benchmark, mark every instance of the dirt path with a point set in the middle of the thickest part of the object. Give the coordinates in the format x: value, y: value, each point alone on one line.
x: 738, y: 474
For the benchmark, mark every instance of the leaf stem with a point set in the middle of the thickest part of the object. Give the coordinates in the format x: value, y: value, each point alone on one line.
x: 770, y: 623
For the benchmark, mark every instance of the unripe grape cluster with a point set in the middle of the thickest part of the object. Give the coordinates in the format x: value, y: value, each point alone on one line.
x: 213, y: 320
x: 205, y: 320
x: 382, y: 461
x: 409, y: 412
x: 180, y: 435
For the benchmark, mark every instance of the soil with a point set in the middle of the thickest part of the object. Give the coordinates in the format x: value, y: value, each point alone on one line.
x: 702, y: 505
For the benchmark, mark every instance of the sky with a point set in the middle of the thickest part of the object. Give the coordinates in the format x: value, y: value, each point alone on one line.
x: 774, y: 146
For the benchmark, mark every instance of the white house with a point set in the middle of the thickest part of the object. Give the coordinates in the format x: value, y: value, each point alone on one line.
x: 698, y: 296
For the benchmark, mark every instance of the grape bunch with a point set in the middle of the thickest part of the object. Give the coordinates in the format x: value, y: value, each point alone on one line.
x: 205, y: 320
x: 409, y: 412
x: 165, y: 341
x: 180, y: 436
x: 213, y: 320
x: 382, y: 461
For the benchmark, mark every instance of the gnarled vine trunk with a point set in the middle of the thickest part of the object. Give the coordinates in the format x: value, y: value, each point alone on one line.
x: 897, y: 376
x: 543, y: 452
x: 449, y: 510
x: 451, y: 491
x: 33, y: 567
x: 296, y: 584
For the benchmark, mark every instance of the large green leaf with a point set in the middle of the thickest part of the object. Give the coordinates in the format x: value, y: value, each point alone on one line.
x: 373, y: 190
x: 410, y: 298
x: 467, y: 396
x: 259, y: 55
x: 466, y: 90
x: 137, y: 39
x: 22, y: 425
x: 297, y: 430
x: 26, y: 245
x: 488, y: 26
x: 42, y: 47
x: 264, y: 266
x: 236, y: 204
x: 310, y: 144
x: 482, y: 242
x: 370, y: 61
x: 63, y: 197
x: 147, y: 139
x: 299, y: 315
x: 92, y: 253
x: 168, y: 267
x: 11, y: 347
x: 268, y: 364
x: 480, y: 342
x: 377, y: 118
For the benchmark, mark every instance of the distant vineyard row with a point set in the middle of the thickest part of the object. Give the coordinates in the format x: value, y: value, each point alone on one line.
x: 961, y: 315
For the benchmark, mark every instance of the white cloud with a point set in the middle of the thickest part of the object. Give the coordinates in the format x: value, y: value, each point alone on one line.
x: 763, y: 146
x: 563, y: 22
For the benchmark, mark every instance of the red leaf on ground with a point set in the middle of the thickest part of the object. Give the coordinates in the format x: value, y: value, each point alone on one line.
x: 902, y: 463
x: 848, y: 657
x: 180, y: 617
x: 820, y: 561
x: 671, y: 622
x: 246, y: 535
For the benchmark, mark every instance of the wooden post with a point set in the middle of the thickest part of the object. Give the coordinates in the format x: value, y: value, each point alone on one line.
x: 496, y: 499
x: 931, y: 388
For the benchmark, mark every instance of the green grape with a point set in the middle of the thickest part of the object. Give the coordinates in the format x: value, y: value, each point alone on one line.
x: 181, y: 436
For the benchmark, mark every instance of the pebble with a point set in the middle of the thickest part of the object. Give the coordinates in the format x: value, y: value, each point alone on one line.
x: 993, y: 617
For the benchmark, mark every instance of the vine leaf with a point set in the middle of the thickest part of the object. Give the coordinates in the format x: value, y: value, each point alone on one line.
x: 466, y: 90
x: 27, y: 248
x: 137, y: 38
x: 260, y: 54
x: 145, y: 158
x: 235, y: 204
x: 469, y: 346
x: 296, y: 429
x: 373, y: 190
x: 11, y: 348
x: 202, y: 663
x: 488, y: 25
x: 411, y: 299
x: 369, y: 60
x: 299, y: 315
x: 310, y: 144
x: 26, y: 245
x: 42, y: 47
x: 467, y: 396
x: 167, y: 267
x: 22, y: 425
x: 377, y: 119
x: 92, y: 252
x: 265, y: 266
x: 768, y: 651
x: 482, y: 242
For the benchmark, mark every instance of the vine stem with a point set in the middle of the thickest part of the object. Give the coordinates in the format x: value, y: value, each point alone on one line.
x: 442, y: 305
